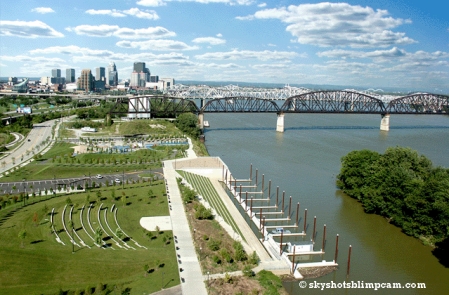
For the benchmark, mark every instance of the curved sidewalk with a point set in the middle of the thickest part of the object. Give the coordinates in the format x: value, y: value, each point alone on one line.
x: 191, y: 277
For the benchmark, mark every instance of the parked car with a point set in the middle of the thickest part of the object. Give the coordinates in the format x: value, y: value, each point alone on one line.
x: 117, y: 180
x: 99, y: 176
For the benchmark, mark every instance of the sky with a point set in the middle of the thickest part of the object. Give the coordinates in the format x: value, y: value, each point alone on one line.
x: 366, y: 44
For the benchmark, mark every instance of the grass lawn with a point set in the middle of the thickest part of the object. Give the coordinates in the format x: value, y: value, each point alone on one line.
x: 58, y: 162
x: 44, y: 266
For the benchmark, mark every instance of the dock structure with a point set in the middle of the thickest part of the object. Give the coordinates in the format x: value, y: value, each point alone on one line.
x: 279, y: 217
x: 265, y: 230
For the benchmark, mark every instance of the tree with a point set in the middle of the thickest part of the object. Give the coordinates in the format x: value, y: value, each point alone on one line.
x: 22, y: 236
x: 119, y: 233
x: 98, y: 235
x: 98, y: 196
x: 68, y: 201
x: 88, y: 199
x: 188, y: 123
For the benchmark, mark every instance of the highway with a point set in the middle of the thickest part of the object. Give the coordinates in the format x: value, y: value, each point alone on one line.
x: 33, y: 142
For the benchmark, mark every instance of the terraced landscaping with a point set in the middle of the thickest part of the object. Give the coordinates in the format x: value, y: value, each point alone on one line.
x: 203, y: 186
x: 43, y: 265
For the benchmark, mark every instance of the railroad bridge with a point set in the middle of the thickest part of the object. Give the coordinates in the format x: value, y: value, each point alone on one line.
x: 340, y: 102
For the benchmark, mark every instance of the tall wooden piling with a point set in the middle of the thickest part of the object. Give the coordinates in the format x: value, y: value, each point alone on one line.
x: 246, y: 201
x: 269, y: 192
x: 314, y: 229
x: 226, y: 176
x: 324, y: 238
x: 305, y: 220
x: 297, y: 214
x: 240, y: 194
x: 222, y: 173
x: 257, y: 172
x: 280, y: 245
x: 290, y: 207
x: 260, y: 219
x: 277, y: 196
x: 336, y: 250
x: 263, y: 183
x: 235, y: 185
x: 263, y: 228
x: 283, y: 197
x: 349, y: 260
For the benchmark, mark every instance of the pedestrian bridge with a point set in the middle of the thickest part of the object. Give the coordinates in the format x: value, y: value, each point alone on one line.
x: 342, y: 101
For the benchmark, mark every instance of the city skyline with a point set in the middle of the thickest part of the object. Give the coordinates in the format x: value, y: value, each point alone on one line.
x: 386, y: 44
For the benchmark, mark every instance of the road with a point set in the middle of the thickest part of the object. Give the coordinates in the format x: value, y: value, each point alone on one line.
x: 33, y: 141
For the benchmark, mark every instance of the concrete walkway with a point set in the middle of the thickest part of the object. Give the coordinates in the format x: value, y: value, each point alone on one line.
x: 191, y: 275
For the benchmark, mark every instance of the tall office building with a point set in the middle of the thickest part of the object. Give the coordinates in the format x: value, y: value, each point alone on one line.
x: 70, y: 75
x: 139, y: 67
x: 112, y: 74
x: 85, y: 81
x: 56, y: 73
x: 100, y: 74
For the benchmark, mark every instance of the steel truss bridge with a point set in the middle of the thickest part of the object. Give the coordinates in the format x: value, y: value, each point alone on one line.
x: 342, y: 101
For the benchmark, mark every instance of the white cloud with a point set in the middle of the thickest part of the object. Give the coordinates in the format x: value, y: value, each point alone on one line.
x: 147, y: 14
x: 262, y: 5
x: 122, y: 33
x: 27, y: 29
x: 248, y: 54
x: 159, y: 45
x: 337, y: 24
x: 155, y: 3
x: 83, y: 54
x: 219, y: 35
x: 113, y: 12
x: 151, y: 3
x: 42, y: 10
x: 220, y: 66
x: 210, y: 40
x: 392, y: 55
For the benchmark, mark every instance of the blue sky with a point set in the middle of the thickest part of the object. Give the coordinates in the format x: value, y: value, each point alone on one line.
x: 368, y: 44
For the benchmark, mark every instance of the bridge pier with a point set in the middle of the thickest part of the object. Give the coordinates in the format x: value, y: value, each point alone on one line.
x: 201, y: 120
x: 280, y: 122
x: 385, y: 122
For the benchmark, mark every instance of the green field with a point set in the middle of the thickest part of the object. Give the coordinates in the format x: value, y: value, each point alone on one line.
x: 44, y: 266
x: 59, y: 162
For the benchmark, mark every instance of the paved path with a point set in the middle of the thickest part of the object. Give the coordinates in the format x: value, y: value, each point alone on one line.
x: 191, y: 276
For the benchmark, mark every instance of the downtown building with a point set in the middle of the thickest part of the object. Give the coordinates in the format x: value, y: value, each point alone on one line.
x: 112, y: 75
x: 70, y: 76
x: 85, y: 81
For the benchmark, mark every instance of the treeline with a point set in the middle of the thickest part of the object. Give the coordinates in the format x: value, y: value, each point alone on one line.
x: 402, y: 186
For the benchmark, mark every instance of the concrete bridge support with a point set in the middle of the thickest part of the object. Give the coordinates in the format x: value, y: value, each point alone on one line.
x: 280, y: 123
x: 385, y: 122
x: 201, y: 121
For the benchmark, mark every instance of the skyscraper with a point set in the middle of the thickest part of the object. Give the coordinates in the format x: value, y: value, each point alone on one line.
x: 100, y: 74
x: 139, y: 67
x: 56, y: 73
x: 85, y: 81
x: 70, y: 75
x: 112, y: 74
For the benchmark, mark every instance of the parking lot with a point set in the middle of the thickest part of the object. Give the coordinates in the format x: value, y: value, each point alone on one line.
x: 42, y: 185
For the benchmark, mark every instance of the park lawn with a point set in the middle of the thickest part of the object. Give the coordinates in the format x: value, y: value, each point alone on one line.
x: 57, y: 163
x: 43, y: 266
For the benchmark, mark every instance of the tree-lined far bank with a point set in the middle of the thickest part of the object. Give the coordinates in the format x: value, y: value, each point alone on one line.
x: 402, y: 186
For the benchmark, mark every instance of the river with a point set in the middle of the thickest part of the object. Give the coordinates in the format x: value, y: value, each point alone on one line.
x: 304, y: 161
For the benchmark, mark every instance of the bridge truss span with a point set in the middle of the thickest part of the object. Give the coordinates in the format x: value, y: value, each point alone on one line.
x: 420, y: 103
x: 240, y: 104
x: 334, y: 102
